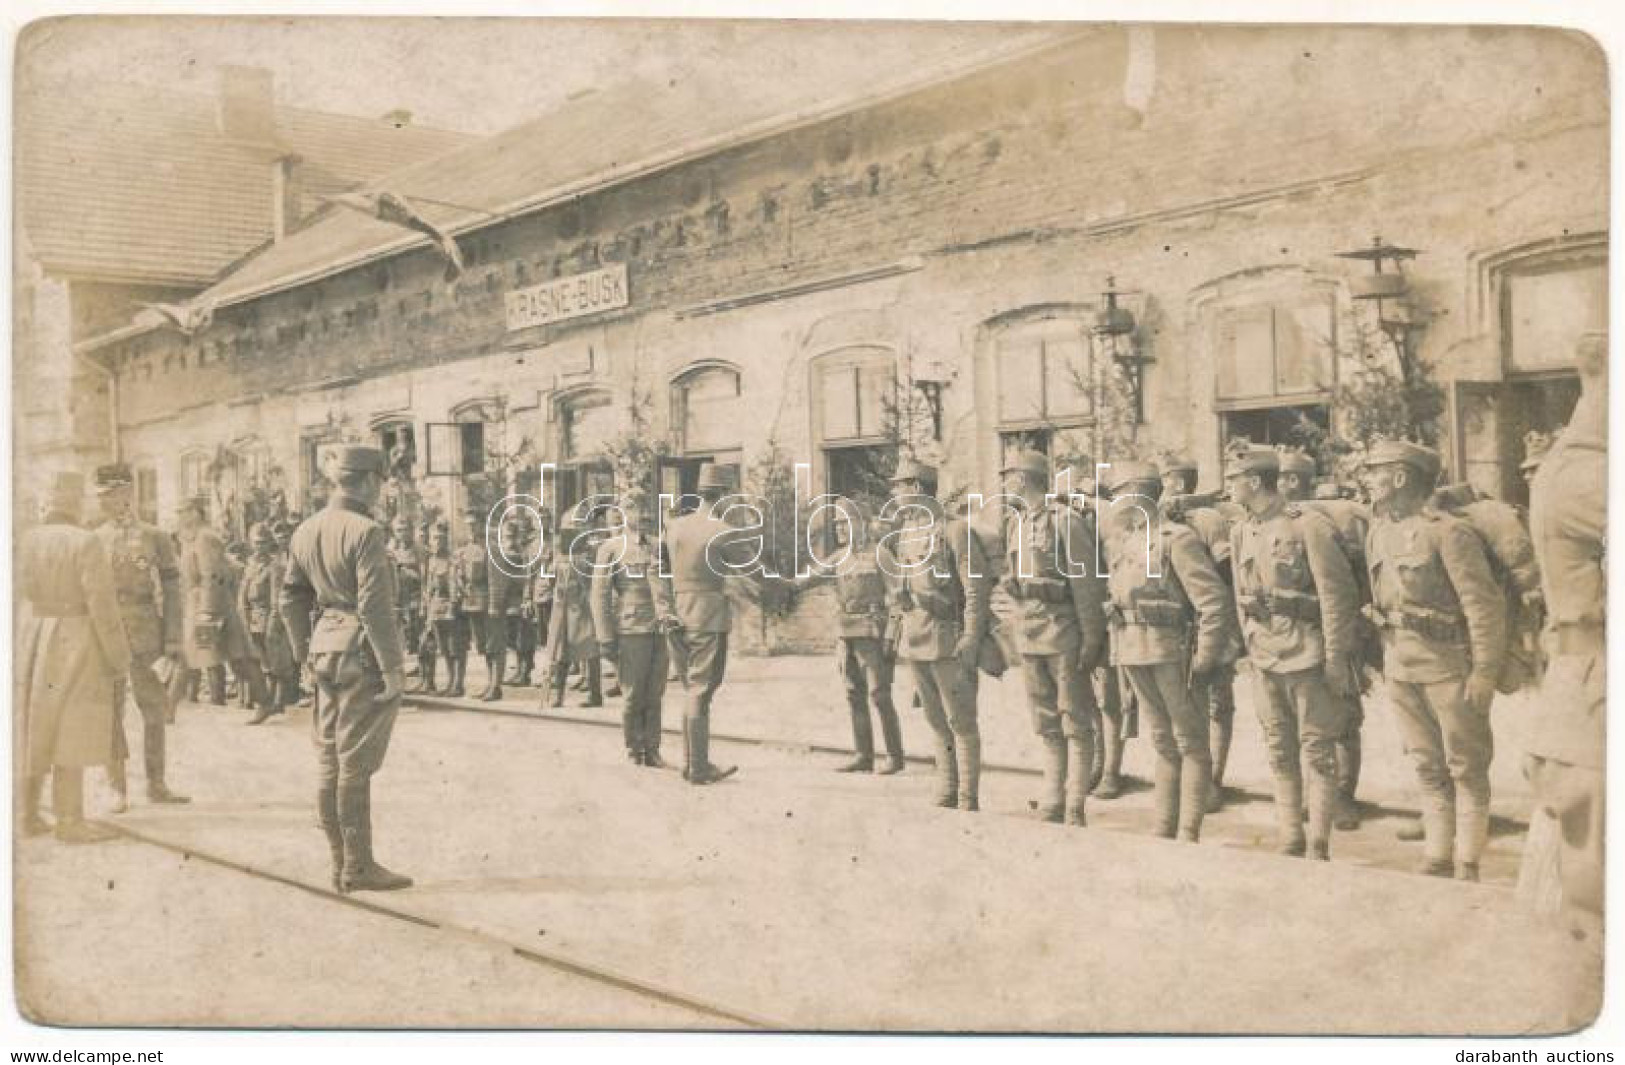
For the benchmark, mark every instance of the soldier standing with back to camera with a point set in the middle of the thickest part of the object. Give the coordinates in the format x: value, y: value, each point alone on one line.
x: 1298, y: 600
x: 942, y: 592
x: 1173, y: 628
x: 1060, y: 631
x: 633, y: 610
x: 1443, y: 621
x: 147, y: 586
x: 339, y: 561
x: 71, y: 655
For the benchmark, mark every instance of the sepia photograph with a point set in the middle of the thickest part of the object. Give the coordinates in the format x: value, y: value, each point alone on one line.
x: 808, y: 525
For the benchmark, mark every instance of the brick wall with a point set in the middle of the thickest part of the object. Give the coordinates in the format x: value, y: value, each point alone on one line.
x: 1257, y: 154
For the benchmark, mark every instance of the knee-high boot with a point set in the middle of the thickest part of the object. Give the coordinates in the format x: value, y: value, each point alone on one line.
x: 1052, y: 807
x: 361, y: 871
x: 152, y: 752
x: 1082, y: 751
x: 968, y: 753
x: 1219, y: 747
x: 947, y: 773
x: 1195, y: 786
x: 1111, y: 776
x: 327, y: 819
x: 1166, y: 778
x: 1322, y: 801
x: 1289, y: 815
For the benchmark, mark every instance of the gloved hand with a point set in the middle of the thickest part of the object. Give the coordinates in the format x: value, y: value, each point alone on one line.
x: 1339, y: 678
x: 1478, y: 693
x: 394, y: 682
x: 965, y: 651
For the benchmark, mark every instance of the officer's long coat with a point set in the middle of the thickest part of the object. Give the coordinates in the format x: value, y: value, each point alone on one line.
x: 207, y: 589
x: 70, y: 648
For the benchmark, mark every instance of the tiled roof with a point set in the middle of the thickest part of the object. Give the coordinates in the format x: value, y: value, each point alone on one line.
x: 620, y: 133
x: 137, y: 184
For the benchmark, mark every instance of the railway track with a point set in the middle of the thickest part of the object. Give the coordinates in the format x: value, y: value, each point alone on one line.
x: 371, y: 903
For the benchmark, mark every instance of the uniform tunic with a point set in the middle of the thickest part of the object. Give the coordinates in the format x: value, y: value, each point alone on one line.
x: 339, y: 560
x: 71, y: 648
x: 214, y: 632
x: 632, y: 604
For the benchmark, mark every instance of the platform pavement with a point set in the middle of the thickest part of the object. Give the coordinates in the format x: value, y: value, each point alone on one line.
x: 813, y: 899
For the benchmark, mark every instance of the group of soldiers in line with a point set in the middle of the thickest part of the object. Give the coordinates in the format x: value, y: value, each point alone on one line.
x: 1438, y: 591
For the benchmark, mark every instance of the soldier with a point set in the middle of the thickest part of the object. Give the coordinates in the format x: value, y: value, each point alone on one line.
x: 862, y: 649
x: 633, y: 610
x: 408, y: 559
x: 573, y: 641
x: 1568, y: 512
x: 445, y: 623
x: 1297, y: 600
x: 147, y: 585
x: 71, y: 657
x: 1060, y: 631
x: 484, y: 591
x: 293, y: 691
x: 1114, y: 696
x: 214, y: 633
x: 702, y: 548
x: 942, y: 594
x: 1350, y: 521
x: 521, y: 613
x: 1214, y: 691
x: 1173, y: 627
x: 258, y: 596
x: 1443, y: 621
x: 339, y: 560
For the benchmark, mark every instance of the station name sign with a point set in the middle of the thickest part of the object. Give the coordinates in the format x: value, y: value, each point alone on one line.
x: 568, y: 297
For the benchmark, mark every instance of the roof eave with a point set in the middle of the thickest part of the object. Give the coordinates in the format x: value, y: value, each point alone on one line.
x: 610, y: 179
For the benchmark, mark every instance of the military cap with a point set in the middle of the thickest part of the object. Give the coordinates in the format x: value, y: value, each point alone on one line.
x: 1423, y: 460
x: 1028, y: 461
x: 357, y: 458
x: 1294, y: 461
x: 260, y: 533
x: 711, y: 476
x: 113, y: 475
x: 914, y: 470
x: 1178, y: 462
x: 1122, y: 473
x: 1252, y: 460
x: 67, y: 490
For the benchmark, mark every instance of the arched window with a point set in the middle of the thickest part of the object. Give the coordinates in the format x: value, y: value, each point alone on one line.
x: 855, y: 408
x: 1045, y: 375
x: 707, y: 416
x: 195, y: 481
x: 1271, y: 341
x: 585, y: 420
x: 1542, y: 297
